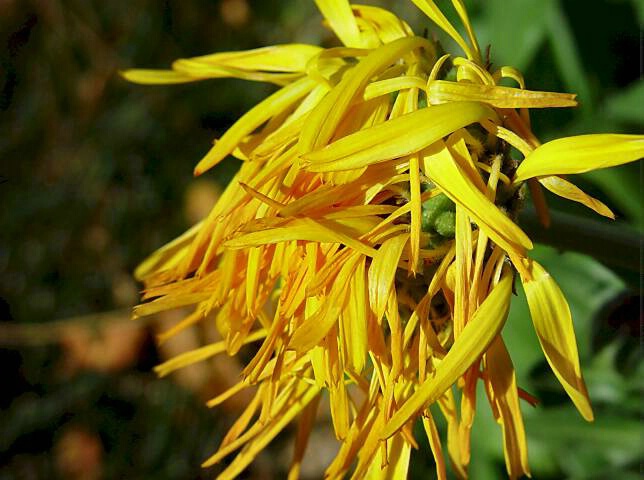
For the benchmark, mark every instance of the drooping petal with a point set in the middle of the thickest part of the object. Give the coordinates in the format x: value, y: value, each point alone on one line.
x: 503, y: 383
x: 563, y: 188
x: 396, y: 465
x: 581, y: 154
x: 448, y: 175
x: 270, y: 431
x: 553, y: 323
x: 315, y: 327
x: 435, y: 444
x: 484, y: 325
x: 443, y: 91
x: 382, y: 272
x: 355, y: 318
x: 395, y: 138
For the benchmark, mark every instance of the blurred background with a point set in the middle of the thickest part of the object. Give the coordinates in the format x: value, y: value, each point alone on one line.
x: 95, y: 174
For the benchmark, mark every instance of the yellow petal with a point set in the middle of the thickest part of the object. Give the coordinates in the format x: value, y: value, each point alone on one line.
x: 314, y: 328
x: 292, y: 57
x: 506, y: 396
x: 168, y: 255
x: 509, y: 72
x: 462, y: 13
x: 484, y: 325
x: 395, y: 138
x: 389, y: 85
x: 416, y: 206
x: 581, y: 154
x: 275, y: 64
x: 435, y: 444
x: 443, y: 91
x: 300, y: 229
x: 274, y: 426
x: 341, y: 20
x: 433, y: 12
x: 563, y: 188
x: 355, y: 317
x: 388, y: 26
x: 395, y: 466
x: 202, y: 71
x: 251, y: 120
x: 200, y: 354
x: 323, y: 121
x: 156, y: 77
x: 444, y: 171
x: 554, y: 327
x: 382, y: 271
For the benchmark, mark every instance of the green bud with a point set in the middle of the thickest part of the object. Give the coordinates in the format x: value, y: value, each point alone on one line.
x: 445, y: 224
x: 433, y: 208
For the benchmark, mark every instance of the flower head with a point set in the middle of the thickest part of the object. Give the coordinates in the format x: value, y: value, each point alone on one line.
x: 368, y: 243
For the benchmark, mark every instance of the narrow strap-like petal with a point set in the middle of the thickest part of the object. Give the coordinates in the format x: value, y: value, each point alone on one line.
x: 581, y: 154
x: 553, y: 324
x: 486, y: 323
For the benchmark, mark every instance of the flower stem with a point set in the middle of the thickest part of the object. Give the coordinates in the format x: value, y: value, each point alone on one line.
x: 614, y: 244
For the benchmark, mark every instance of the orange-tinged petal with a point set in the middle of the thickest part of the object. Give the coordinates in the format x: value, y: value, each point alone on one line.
x: 396, y: 138
x: 553, y: 323
x: 581, y: 154
x: 484, y: 325
x: 315, y: 327
x: 200, y: 354
x: 355, y: 319
x: 272, y: 428
x: 169, y: 255
x: 448, y: 175
x: 563, y: 188
x: 443, y: 91
x: 300, y: 229
x: 506, y: 396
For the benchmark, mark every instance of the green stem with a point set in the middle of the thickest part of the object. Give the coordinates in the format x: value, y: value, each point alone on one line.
x: 614, y: 244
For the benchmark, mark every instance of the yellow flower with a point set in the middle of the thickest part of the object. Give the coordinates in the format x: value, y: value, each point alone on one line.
x: 368, y: 242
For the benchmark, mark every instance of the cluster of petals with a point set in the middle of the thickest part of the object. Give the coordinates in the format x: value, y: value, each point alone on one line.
x: 319, y: 254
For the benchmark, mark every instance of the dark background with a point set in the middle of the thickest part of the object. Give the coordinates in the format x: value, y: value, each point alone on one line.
x: 95, y: 173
